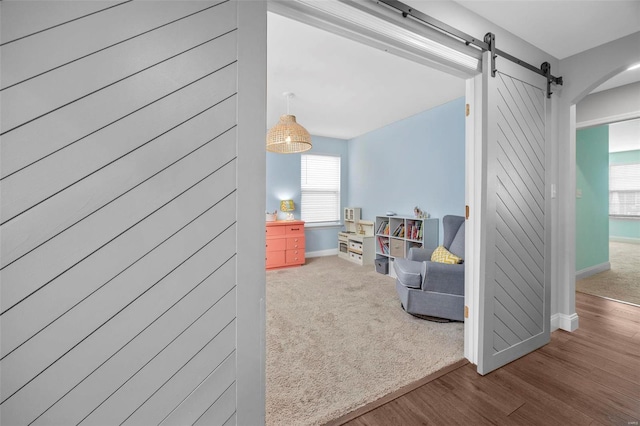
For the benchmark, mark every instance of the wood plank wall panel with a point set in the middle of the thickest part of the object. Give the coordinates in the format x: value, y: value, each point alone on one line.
x: 40, y: 96
x: 26, y: 321
x: 118, y: 209
x: 200, y: 400
x: 232, y: 420
x: 218, y: 412
x: 182, y: 383
x: 36, y: 227
x: 36, y: 16
x: 30, y: 273
x: 44, y: 352
x: 140, y: 87
x: 61, y: 45
x: 22, y: 147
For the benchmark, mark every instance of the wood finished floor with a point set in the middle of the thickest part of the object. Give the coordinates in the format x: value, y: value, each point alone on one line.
x: 588, y: 377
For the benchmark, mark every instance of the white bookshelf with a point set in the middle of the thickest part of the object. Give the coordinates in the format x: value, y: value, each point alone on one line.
x: 395, y: 235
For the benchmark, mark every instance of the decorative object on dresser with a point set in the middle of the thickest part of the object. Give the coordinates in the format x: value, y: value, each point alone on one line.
x: 356, y: 243
x: 272, y: 217
x: 396, y: 235
x: 287, y: 206
x: 285, y: 244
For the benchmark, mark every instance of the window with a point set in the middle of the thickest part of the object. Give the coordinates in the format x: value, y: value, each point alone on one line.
x: 624, y: 190
x: 320, y: 187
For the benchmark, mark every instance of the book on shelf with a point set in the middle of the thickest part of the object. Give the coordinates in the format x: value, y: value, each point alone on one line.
x: 384, y: 245
x: 414, y: 230
x: 384, y: 225
x: 417, y: 231
x: 399, y: 230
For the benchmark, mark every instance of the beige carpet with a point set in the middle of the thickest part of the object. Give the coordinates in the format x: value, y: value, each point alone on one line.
x: 622, y: 281
x: 337, y: 339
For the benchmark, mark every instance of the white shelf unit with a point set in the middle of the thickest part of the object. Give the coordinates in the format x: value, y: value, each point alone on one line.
x: 352, y: 214
x: 360, y: 248
x: 356, y: 243
x: 395, y: 235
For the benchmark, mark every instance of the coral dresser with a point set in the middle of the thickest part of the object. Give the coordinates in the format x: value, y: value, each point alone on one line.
x: 285, y: 243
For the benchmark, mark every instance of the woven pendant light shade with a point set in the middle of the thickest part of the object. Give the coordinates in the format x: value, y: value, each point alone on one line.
x: 288, y: 137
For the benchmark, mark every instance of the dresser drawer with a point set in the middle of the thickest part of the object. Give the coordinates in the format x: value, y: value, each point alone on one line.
x: 284, y: 244
x: 295, y: 257
x: 295, y: 243
x: 274, y: 231
x: 356, y: 257
x: 276, y: 258
x: 354, y: 245
x: 274, y: 244
x: 294, y: 229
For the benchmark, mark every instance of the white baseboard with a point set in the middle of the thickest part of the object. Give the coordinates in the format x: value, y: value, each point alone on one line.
x: 592, y: 270
x: 625, y: 240
x: 321, y: 253
x: 564, y: 322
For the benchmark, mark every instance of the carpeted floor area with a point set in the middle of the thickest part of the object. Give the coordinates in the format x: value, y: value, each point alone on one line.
x: 337, y: 339
x: 622, y: 281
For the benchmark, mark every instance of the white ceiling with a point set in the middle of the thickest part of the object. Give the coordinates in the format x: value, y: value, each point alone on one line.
x: 344, y: 89
x: 562, y: 27
x: 624, y: 136
x: 627, y: 77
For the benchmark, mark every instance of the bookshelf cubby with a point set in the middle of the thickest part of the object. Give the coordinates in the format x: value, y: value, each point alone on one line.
x: 395, y: 235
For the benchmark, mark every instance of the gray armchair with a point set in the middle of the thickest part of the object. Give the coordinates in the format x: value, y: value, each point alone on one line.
x: 429, y: 288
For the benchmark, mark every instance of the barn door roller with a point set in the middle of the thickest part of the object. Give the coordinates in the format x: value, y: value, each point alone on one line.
x: 488, y: 44
x: 544, y: 70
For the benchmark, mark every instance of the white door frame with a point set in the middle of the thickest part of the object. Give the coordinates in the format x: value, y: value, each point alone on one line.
x: 473, y: 194
x: 473, y: 155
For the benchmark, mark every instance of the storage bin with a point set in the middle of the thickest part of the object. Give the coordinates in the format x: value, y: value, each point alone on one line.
x: 382, y: 265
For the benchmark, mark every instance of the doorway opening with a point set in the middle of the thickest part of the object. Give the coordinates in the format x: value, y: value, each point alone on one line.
x: 608, y: 210
x: 392, y: 156
x: 608, y: 138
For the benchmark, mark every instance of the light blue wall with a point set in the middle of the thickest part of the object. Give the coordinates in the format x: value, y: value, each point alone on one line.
x: 592, y: 209
x: 418, y: 161
x: 415, y: 161
x: 283, y: 183
x: 626, y: 229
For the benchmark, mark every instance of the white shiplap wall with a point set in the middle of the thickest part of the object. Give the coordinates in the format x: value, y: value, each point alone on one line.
x: 118, y: 220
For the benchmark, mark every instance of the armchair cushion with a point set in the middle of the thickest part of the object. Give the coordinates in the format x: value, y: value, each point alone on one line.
x: 442, y: 255
x: 408, y: 272
x: 443, y: 278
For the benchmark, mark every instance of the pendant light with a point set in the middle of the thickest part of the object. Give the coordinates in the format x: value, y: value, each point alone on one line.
x: 287, y: 136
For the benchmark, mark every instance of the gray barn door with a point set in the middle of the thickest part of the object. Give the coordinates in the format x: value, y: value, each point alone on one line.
x: 514, y: 290
x: 121, y: 239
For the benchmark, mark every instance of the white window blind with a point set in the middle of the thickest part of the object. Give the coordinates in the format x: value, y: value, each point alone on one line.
x: 320, y: 188
x: 624, y: 190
